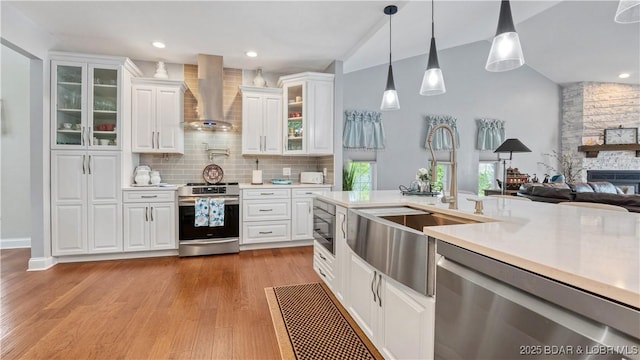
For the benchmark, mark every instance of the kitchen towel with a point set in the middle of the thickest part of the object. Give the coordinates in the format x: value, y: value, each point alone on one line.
x: 202, y: 212
x: 216, y: 212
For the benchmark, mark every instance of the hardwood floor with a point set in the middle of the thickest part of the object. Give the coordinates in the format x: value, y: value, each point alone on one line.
x: 210, y: 307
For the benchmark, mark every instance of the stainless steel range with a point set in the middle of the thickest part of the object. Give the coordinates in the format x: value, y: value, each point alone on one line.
x: 205, y: 240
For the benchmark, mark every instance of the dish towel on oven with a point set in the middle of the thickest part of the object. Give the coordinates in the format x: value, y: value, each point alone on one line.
x: 216, y: 212
x: 202, y: 212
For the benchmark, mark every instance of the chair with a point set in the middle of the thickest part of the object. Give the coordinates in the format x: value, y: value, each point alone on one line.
x: 511, y: 197
x: 594, y: 205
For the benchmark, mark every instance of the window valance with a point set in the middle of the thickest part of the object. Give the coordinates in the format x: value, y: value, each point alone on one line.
x: 363, y: 130
x: 441, y: 139
x: 490, y: 133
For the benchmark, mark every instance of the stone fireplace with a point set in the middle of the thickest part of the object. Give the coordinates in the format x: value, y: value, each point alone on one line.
x: 587, y: 109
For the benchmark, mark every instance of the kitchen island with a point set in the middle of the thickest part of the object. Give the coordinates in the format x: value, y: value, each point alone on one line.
x: 593, y: 251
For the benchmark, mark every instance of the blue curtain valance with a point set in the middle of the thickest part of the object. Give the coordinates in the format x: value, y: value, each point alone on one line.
x: 363, y: 130
x: 441, y: 139
x: 490, y: 133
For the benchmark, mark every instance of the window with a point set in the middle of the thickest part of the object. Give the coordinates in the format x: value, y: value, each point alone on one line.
x: 487, y: 171
x: 359, y: 176
x: 442, y: 182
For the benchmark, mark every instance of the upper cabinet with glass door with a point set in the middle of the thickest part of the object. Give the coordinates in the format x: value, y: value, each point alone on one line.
x: 308, y: 116
x: 88, y: 103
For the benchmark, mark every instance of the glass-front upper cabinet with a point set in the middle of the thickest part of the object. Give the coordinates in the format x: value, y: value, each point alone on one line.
x: 296, y: 122
x: 68, y: 98
x: 87, y: 105
x: 105, y: 106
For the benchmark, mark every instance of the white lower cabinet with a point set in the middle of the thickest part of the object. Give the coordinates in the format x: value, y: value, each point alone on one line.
x: 399, y: 321
x: 86, y: 202
x: 149, y: 225
x: 277, y: 214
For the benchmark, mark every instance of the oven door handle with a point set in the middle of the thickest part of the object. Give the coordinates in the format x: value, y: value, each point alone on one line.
x: 193, y: 203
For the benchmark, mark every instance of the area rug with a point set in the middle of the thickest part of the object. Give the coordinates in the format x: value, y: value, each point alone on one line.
x: 311, y: 324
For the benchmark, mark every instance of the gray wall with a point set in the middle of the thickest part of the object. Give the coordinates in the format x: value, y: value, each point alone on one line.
x: 527, y: 101
x: 16, y: 207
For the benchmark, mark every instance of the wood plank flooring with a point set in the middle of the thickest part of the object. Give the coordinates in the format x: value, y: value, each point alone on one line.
x: 210, y: 307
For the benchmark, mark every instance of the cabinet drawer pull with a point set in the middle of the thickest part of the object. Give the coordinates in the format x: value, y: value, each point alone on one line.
x: 151, y: 212
x: 267, y: 193
x: 89, y: 165
x: 322, y: 257
x: 153, y: 138
x: 158, y: 139
x: 265, y: 232
x: 308, y: 193
x: 146, y: 214
x: 265, y: 210
x: 322, y: 273
x: 84, y: 169
x: 149, y: 196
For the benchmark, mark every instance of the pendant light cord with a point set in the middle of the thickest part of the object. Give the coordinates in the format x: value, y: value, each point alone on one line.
x: 390, y: 38
x: 432, y: 26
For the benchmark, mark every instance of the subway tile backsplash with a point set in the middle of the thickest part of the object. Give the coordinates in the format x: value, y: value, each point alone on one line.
x: 180, y: 169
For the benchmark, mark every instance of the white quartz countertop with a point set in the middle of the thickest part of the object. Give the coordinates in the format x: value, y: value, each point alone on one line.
x: 592, y: 249
x: 167, y: 187
x: 272, y: 186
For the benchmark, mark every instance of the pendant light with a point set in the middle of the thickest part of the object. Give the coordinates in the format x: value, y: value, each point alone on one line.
x: 628, y: 12
x: 390, y: 96
x: 432, y: 81
x: 506, y: 52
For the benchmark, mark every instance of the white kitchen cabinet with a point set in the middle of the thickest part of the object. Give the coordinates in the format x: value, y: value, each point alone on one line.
x: 261, y: 121
x: 399, y: 321
x: 302, y: 212
x: 88, y: 104
x: 157, y: 116
x: 266, y: 215
x: 308, y: 115
x: 86, y: 198
x: 149, y: 221
x: 341, y: 253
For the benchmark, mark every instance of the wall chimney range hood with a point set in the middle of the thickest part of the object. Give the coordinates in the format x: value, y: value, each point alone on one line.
x: 210, y: 90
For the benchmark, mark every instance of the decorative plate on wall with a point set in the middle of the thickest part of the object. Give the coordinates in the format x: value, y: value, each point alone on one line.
x: 212, y: 174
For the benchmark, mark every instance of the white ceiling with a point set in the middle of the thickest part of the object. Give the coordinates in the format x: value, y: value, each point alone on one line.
x: 566, y: 41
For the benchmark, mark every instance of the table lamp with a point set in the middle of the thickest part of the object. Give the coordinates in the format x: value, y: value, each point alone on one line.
x: 509, y: 146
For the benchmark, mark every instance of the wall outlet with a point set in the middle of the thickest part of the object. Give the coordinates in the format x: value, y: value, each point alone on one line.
x: 286, y: 171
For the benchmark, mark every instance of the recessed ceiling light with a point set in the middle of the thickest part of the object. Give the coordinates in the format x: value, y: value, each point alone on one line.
x: 158, y: 44
x: 624, y: 75
x: 251, y: 53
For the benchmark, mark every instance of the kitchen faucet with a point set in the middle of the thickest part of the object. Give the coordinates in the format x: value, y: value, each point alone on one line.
x: 453, y: 192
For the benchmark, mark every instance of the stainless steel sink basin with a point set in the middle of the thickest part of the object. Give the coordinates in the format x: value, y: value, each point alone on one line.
x: 419, y: 221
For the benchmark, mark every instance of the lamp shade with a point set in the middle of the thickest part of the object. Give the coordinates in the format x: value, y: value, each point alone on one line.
x: 628, y: 12
x: 511, y: 146
x: 432, y: 80
x: 390, y: 99
x: 506, y: 51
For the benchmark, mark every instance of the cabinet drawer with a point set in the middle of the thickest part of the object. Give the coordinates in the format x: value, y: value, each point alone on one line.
x: 149, y: 196
x: 325, y: 274
x: 321, y: 254
x: 266, y: 231
x: 266, y: 193
x: 259, y: 210
x: 308, y: 192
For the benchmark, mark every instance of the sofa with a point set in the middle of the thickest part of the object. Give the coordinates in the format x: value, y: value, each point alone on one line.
x: 598, y: 192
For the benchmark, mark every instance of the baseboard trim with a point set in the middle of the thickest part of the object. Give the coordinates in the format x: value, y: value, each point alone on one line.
x: 116, y: 256
x: 15, y: 243
x: 41, y: 263
x: 273, y: 245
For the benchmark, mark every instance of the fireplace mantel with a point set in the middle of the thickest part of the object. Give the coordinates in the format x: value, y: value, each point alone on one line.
x: 593, y: 150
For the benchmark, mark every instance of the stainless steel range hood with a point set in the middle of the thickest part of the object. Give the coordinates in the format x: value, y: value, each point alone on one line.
x: 210, y: 90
